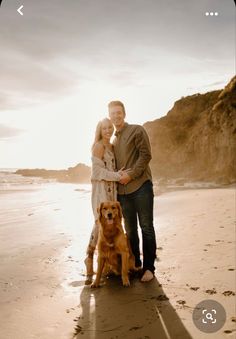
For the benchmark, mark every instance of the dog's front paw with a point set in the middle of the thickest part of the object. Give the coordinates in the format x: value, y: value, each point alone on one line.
x: 94, y: 285
x: 126, y: 282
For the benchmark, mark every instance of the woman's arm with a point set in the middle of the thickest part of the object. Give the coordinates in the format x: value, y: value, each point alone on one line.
x: 99, y: 172
x: 98, y: 151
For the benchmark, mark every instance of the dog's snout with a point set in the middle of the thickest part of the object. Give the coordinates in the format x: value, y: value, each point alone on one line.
x: 109, y: 215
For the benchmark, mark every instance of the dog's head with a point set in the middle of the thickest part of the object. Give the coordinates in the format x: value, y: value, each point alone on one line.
x: 109, y: 211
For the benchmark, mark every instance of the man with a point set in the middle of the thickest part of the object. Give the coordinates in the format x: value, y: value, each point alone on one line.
x: 135, y: 192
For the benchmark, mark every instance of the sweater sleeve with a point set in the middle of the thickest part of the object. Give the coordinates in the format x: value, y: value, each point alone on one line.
x: 142, y: 144
x: 99, y: 172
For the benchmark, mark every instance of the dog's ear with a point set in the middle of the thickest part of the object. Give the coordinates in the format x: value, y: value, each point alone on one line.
x: 119, y: 209
x: 99, y: 210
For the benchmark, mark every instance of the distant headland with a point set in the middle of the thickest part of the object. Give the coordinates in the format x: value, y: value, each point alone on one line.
x: 78, y: 174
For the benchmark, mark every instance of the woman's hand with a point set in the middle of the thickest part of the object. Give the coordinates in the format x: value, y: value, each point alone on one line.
x: 123, y: 170
x: 125, y: 178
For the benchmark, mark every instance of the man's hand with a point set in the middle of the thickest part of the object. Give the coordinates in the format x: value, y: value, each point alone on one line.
x: 125, y: 178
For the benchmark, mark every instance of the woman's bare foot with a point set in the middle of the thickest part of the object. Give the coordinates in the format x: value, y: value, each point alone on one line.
x: 148, y: 276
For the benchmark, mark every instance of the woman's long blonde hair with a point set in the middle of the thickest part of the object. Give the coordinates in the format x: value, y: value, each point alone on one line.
x: 98, y: 131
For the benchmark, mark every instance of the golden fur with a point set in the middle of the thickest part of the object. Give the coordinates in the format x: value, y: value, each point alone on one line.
x: 113, y: 244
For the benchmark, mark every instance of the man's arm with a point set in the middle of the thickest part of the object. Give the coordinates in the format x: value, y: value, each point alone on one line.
x: 142, y: 144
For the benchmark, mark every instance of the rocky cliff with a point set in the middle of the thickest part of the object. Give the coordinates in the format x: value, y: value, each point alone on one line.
x: 196, y: 140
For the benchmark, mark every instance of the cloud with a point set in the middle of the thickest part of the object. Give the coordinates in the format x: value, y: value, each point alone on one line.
x: 217, y: 83
x: 4, y: 101
x: 88, y: 29
x: 7, y: 132
x: 57, y: 44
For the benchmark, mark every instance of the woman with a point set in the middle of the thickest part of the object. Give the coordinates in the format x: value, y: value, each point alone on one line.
x: 103, y: 178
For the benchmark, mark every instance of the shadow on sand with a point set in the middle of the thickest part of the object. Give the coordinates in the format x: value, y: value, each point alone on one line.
x: 141, y: 311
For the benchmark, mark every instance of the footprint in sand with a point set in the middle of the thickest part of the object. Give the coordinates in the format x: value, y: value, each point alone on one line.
x: 161, y: 297
x: 68, y: 310
x: 194, y: 288
x: 181, y: 302
x: 78, y: 329
x: 228, y: 293
x: 213, y: 291
x: 135, y: 328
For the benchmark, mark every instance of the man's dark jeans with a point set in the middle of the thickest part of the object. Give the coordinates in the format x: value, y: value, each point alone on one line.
x: 140, y: 204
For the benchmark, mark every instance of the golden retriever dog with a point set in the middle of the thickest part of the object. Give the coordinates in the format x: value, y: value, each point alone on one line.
x: 114, y: 251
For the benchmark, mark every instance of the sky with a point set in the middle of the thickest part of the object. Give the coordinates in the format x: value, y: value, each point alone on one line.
x: 63, y: 61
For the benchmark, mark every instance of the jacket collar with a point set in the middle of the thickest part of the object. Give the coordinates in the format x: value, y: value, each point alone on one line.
x: 117, y: 133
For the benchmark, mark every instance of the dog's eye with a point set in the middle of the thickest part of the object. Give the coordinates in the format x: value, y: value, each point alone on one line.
x: 104, y: 208
x: 113, y: 207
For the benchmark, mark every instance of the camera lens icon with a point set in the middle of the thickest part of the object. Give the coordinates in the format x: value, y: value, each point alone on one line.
x: 209, y: 316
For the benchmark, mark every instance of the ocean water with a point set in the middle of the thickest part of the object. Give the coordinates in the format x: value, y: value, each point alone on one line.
x: 37, y: 213
x: 9, y: 181
x: 24, y: 198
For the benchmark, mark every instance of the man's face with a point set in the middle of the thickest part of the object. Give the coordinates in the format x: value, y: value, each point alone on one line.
x: 117, y: 116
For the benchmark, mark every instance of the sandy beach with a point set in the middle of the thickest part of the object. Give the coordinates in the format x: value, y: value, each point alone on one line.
x: 43, y: 237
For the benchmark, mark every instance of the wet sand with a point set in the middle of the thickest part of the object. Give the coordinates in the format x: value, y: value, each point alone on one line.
x: 43, y: 237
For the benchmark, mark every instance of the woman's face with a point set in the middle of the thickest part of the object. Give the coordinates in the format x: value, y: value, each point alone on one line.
x: 107, y: 130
